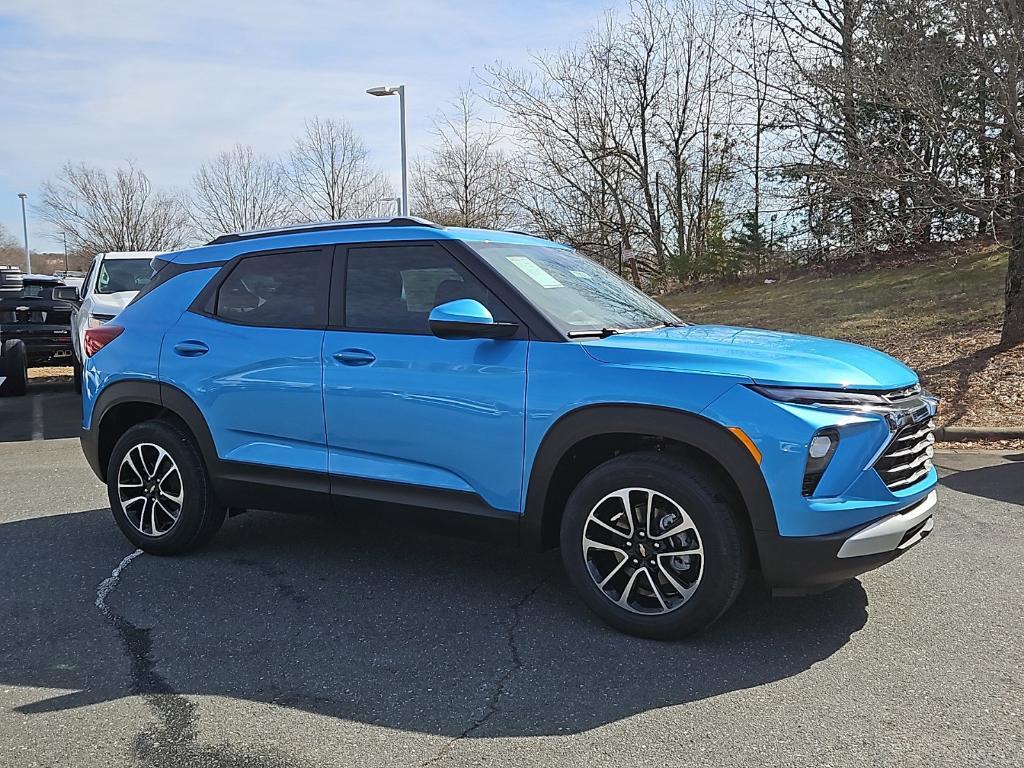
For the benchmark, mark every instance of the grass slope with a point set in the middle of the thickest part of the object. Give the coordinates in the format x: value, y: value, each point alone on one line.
x: 941, y: 317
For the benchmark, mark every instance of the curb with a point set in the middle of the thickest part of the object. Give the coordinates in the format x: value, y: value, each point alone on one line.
x: 966, y: 434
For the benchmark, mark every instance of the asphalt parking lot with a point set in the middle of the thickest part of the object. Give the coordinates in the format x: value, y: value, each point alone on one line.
x: 293, y: 641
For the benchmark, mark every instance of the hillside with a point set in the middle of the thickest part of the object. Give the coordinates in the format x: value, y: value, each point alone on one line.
x: 941, y: 317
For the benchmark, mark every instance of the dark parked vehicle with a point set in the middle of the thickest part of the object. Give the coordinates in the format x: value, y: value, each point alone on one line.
x: 13, y: 360
x: 40, y: 320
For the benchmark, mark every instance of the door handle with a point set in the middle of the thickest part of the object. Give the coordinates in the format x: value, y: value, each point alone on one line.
x: 191, y: 348
x: 354, y: 357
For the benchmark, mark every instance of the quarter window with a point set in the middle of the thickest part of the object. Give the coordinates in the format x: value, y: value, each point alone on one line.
x: 393, y: 288
x: 285, y: 290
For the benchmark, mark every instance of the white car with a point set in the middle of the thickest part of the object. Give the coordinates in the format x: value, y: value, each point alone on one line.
x: 112, y: 281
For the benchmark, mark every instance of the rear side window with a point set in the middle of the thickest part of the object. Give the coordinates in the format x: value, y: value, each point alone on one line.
x: 283, y: 289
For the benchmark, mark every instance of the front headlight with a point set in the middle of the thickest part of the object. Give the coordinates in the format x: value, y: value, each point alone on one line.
x: 906, y: 405
x: 838, y: 398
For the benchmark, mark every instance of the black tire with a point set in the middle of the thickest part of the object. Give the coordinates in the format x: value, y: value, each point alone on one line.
x: 199, y: 516
x: 724, y: 563
x: 14, y: 365
x: 77, y: 372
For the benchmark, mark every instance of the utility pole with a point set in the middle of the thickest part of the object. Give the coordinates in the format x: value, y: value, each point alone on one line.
x: 24, y: 228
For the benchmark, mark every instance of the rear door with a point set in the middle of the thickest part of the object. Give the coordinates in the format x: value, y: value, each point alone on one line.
x: 248, y: 353
x: 410, y: 413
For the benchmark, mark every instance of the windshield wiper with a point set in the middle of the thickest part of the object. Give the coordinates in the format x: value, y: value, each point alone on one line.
x: 674, y: 324
x: 595, y: 333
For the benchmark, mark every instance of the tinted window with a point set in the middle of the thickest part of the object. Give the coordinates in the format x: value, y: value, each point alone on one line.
x: 393, y: 288
x: 286, y: 290
x: 123, y: 275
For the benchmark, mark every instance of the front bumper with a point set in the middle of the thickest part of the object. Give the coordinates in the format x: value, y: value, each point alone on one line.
x: 798, y: 565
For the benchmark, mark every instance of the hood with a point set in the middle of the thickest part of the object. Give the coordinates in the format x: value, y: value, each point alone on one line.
x: 766, y: 357
x: 111, y: 303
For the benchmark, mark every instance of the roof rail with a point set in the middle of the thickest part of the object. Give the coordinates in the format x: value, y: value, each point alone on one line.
x: 323, y: 226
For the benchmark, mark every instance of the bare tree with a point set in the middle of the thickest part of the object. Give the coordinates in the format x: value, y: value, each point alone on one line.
x: 239, y: 190
x: 331, y: 177
x: 118, y: 211
x: 466, y: 180
x: 10, y: 253
x: 635, y: 130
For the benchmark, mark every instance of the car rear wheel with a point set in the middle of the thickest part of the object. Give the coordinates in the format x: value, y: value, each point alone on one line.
x: 159, y: 490
x: 653, y: 547
x: 14, y: 368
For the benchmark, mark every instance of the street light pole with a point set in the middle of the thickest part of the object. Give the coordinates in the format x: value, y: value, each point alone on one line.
x: 24, y: 228
x: 405, y: 161
x: 391, y: 90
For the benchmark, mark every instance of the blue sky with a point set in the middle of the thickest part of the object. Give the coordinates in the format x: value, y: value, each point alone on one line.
x: 168, y: 84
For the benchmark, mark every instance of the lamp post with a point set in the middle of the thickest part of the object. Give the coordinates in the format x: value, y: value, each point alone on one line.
x: 391, y: 90
x: 24, y: 229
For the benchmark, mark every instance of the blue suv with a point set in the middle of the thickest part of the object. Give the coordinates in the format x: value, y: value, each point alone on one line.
x: 512, y: 385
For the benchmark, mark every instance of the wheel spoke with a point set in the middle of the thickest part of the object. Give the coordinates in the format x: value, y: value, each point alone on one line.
x: 174, y: 498
x: 166, y: 511
x: 647, y: 519
x: 681, y: 552
x: 131, y: 464
x: 613, y: 571
x: 622, y: 496
x: 654, y: 588
x: 161, y: 454
x: 589, y: 544
x: 611, y: 528
x: 624, y: 599
x: 684, y: 592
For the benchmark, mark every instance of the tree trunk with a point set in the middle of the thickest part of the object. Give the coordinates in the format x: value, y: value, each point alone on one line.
x: 1013, y: 314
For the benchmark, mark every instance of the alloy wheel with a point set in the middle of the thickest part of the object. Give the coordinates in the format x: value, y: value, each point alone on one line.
x: 643, y: 551
x: 150, y: 490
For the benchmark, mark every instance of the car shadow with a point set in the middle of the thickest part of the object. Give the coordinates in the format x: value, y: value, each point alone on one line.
x: 998, y: 482
x: 365, y: 623
x: 50, y: 410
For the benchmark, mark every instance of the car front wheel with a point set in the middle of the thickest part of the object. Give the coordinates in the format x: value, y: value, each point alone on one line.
x: 653, y: 546
x: 159, y: 490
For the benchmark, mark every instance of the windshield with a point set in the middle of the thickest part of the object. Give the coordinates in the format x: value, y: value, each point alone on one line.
x: 578, y: 294
x: 123, y: 275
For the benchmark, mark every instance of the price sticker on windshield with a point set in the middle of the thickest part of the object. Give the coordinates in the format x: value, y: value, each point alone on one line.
x: 535, y: 272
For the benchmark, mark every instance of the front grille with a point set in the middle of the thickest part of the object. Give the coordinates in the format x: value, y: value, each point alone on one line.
x: 908, y: 458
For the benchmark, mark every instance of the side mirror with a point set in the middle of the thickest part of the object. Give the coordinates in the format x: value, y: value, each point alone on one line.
x: 467, y: 319
x: 66, y: 293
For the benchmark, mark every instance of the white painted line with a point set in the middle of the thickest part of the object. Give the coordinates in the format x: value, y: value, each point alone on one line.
x: 37, y: 418
x: 109, y: 584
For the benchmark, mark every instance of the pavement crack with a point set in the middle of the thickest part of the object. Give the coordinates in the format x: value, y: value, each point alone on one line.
x: 492, y: 706
x: 175, y: 714
x: 172, y: 741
